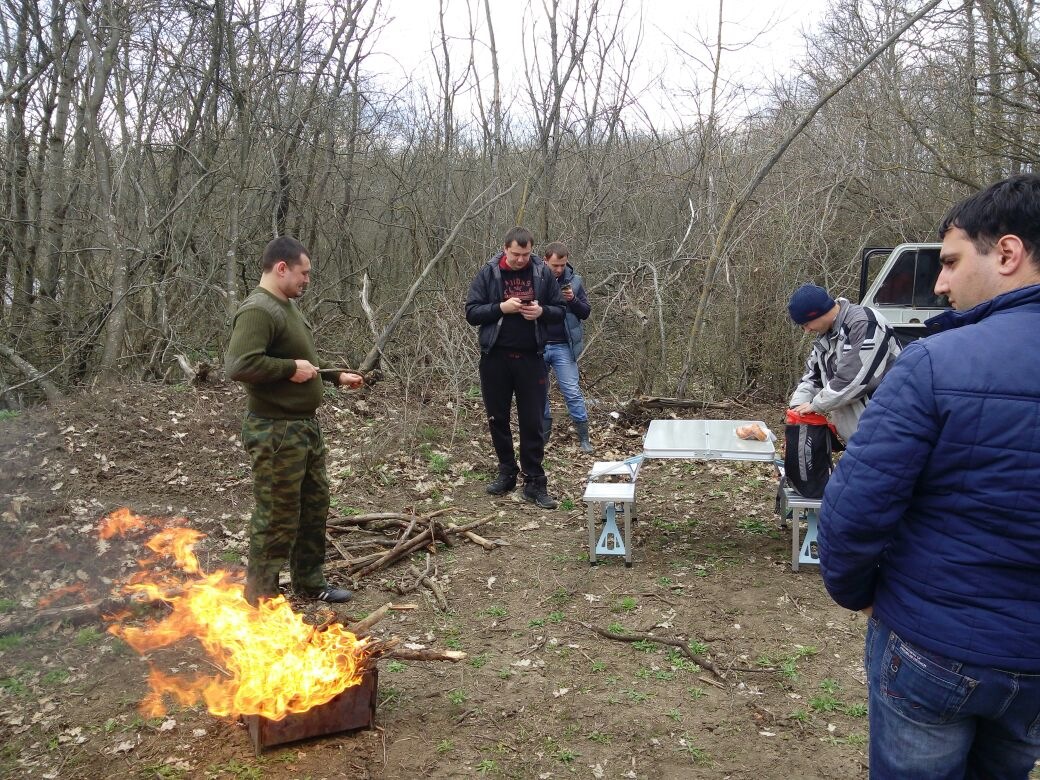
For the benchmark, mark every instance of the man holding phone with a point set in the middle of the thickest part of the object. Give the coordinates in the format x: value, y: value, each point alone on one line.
x: 566, y: 341
x: 512, y: 299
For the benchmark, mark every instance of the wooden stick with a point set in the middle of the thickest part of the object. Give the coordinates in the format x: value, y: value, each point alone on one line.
x: 397, y: 518
x: 336, y: 544
x: 367, y: 518
x: 404, y: 654
x: 395, y: 554
x: 438, y: 592
x: 678, y: 643
x: 470, y: 526
x: 350, y: 563
x: 362, y: 626
x: 485, y: 543
x: 407, y: 531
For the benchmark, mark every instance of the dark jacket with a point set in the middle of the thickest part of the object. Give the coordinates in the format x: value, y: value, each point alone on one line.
x: 572, y: 330
x: 483, y: 304
x: 933, y: 514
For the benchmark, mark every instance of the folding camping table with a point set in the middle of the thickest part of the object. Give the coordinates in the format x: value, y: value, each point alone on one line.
x: 691, y: 439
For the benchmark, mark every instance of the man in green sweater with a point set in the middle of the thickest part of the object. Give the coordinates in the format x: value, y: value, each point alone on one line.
x: 272, y: 353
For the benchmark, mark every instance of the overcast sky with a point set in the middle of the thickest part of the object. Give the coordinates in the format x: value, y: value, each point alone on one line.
x: 762, y: 37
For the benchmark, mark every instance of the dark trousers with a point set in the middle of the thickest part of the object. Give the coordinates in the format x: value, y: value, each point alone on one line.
x: 504, y: 374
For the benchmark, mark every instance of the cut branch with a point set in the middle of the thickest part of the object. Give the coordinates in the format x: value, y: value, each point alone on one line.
x: 683, y: 647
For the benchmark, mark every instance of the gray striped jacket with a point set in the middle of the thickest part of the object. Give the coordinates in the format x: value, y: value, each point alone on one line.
x: 846, y: 365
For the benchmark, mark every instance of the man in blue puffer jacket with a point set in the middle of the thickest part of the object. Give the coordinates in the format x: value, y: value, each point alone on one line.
x: 931, y: 523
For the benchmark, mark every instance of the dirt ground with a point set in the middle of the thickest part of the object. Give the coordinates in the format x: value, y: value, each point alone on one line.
x: 540, y: 694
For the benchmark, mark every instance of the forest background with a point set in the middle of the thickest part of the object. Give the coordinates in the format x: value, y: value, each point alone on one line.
x: 150, y: 150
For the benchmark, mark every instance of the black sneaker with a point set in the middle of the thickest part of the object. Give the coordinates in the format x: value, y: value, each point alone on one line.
x: 503, y: 484
x: 536, y: 493
x: 334, y: 595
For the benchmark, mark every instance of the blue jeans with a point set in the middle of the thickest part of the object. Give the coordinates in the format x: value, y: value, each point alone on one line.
x: 558, y: 357
x: 932, y: 717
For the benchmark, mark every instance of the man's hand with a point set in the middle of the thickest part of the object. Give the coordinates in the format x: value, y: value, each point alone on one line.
x: 511, y: 306
x: 804, y: 408
x: 868, y: 611
x: 567, y: 293
x: 351, y: 380
x: 531, y: 311
x: 305, y: 372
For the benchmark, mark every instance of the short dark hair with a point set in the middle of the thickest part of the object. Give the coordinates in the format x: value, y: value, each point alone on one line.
x: 1011, y: 206
x: 521, y: 235
x: 284, y: 248
x: 557, y: 249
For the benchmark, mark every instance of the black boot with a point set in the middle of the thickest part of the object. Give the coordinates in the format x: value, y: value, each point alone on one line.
x: 536, y: 493
x: 546, y: 428
x: 503, y: 483
x: 582, y: 429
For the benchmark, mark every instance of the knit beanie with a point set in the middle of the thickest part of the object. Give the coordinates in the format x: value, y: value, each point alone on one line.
x: 809, y: 302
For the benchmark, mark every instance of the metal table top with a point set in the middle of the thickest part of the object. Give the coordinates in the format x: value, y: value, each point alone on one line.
x: 704, y: 440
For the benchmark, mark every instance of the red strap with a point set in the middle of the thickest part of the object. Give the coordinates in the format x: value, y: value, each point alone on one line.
x: 808, y: 418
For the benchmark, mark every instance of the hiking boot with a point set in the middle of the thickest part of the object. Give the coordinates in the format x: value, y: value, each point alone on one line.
x: 535, y: 492
x: 581, y: 427
x: 502, y: 484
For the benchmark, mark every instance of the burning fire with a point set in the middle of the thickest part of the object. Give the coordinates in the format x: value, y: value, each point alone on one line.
x: 275, y: 663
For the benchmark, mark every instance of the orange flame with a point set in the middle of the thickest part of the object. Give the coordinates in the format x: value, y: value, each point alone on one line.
x: 123, y: 521
x: 275, y: 663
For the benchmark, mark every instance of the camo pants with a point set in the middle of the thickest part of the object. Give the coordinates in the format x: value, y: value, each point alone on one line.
x: 291, y: 490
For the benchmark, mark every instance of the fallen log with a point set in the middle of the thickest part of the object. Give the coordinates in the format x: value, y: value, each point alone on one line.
x: 644, y: 403
x: 74, y: 615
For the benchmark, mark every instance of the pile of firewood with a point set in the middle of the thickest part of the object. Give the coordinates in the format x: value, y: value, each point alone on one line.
x: 393, y: 536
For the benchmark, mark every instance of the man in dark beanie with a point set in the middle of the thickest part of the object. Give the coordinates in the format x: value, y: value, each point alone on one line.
x: 854, y: 348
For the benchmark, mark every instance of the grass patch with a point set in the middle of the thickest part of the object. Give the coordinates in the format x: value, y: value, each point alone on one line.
x: 437, y: 463
x: 11, y: 641
x: 825, y: 703
x: 756, y: 527
x: 55, y: 677
x: 87, y: 636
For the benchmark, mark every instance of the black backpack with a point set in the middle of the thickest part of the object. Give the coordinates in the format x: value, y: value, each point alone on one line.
x: 807, y: 457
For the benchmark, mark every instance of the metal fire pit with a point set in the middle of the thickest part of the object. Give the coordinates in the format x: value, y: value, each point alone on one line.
x: 354, y: 708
